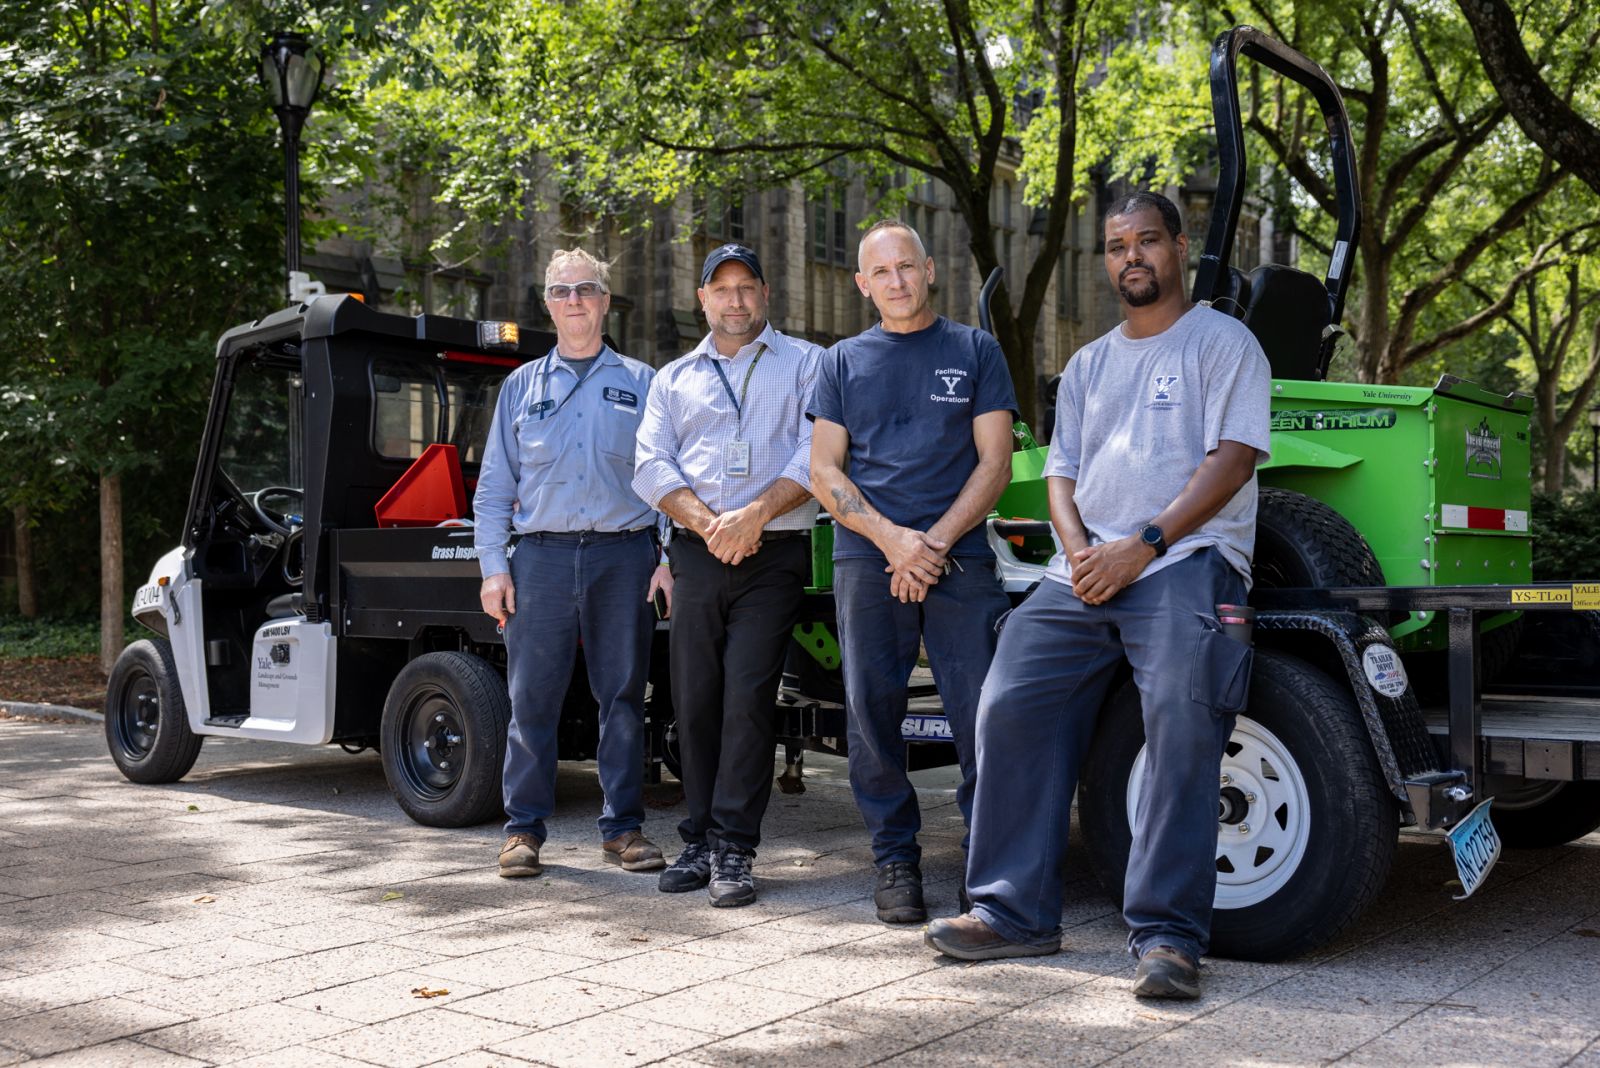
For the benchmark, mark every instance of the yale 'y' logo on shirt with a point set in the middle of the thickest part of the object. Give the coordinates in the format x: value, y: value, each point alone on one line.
x: 950, y: 378
x: 1165, y: 387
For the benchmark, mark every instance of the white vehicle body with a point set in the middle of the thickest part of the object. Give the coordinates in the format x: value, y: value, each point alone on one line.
x: 293, y: 661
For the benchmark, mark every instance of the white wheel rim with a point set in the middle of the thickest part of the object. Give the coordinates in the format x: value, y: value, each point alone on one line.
x: 1258, y: 854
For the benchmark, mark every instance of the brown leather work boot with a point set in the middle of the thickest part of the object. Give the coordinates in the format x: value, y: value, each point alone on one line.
x: 634, y: 852
x: 519, y: 857
x: 969, y: 938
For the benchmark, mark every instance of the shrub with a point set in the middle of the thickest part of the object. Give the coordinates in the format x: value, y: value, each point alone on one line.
x: 1566, y: 536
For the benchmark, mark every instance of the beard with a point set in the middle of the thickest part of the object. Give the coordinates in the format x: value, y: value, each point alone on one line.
x: 1138, y: 298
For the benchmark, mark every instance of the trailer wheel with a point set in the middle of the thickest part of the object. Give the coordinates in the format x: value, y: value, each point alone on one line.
x: 443, y: 739
x: 1306, y: 825
x: 1538, y: 815
x: 147, y: 723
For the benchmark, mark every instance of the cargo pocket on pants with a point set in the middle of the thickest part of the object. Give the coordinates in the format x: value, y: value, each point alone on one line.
x: 1220, y: 678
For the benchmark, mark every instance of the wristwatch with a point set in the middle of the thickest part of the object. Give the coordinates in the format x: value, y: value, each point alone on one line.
x: 1152, y: 536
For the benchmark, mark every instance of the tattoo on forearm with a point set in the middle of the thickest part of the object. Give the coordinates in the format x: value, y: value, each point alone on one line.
x: 847, y: 502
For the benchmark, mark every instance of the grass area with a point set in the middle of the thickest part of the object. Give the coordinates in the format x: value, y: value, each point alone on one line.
x: 49, y: 637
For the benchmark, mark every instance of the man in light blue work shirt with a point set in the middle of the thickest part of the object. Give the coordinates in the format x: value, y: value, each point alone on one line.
x: 558, y: 470
x: 724, y: 450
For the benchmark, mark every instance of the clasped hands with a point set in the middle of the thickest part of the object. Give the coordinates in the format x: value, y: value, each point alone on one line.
x: 917, y: 560
x: 1100, y: 572
x: 734, y: 535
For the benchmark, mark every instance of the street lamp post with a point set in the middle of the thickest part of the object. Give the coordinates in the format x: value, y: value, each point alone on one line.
x: 292, y: 72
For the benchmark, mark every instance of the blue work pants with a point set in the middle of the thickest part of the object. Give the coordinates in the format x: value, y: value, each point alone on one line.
x: 1037, y: 717
x: 571, y: 587
x: 879, y: 640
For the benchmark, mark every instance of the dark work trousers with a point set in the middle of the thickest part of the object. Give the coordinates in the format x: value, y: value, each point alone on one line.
x: 588, y: 586
x: 731, y: 629
x: 878, y: 639
x: 1040, y: 703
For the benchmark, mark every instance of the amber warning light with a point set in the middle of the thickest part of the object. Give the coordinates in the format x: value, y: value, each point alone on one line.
x: 496, y: 334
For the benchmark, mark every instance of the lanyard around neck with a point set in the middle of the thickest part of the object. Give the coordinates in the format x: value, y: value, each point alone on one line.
x: 551, y: 366
x: 744, y: 388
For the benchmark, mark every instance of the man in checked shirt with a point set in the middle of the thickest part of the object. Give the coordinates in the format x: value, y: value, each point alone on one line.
x: 723, y: 450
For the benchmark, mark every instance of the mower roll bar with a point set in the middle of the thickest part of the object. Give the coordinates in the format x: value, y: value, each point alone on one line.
x: 1249, y: 41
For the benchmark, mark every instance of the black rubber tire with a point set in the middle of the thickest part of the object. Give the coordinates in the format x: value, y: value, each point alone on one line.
x: 1301, y: 542
x: 1354, y: 820
x: 471, y: 696
x: 1541, y: 820
x: 146, y: 669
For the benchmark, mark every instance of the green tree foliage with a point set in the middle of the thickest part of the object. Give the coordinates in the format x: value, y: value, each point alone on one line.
x: 613, y: 100
x: 139, y: 214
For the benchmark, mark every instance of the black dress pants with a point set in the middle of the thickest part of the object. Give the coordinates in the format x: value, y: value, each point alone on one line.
x: 731, y: 629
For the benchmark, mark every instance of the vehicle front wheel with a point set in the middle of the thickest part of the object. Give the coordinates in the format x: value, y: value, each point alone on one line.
x: 443, y: 739
x: 147, y: 723
x: 1306, y: 827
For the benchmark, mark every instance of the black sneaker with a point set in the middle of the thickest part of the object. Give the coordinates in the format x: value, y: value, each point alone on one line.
x: 732, y: 883
x: 899, y: 893
x: 691, y: 871
x: 1165, y: 972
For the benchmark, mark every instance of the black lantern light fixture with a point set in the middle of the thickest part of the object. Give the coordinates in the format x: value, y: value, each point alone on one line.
x: 292, y: 71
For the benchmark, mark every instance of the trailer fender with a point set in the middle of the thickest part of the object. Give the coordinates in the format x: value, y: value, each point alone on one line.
x: 1373, y: 669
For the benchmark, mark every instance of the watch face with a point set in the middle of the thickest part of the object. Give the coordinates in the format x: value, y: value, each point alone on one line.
x: 1151, y: 535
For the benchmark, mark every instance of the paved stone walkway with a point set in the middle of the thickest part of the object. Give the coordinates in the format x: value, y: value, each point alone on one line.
x: 276, y: 908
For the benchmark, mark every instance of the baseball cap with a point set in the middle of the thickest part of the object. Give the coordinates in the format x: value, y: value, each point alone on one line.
x: 723, y: 253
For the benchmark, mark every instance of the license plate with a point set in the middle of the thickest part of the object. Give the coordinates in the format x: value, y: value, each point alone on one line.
x: 1476, y: 846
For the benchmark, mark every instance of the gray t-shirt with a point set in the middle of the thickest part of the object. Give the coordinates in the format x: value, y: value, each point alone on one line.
x: 1134, y: 420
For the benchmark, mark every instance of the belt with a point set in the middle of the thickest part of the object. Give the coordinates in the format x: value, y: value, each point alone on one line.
x: 766, y: 535
x: 584, y: 537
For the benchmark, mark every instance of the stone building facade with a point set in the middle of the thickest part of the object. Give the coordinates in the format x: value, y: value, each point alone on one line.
x: 807, y: 245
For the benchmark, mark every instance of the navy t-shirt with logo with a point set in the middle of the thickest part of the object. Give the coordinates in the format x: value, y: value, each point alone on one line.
x: 908, y: 402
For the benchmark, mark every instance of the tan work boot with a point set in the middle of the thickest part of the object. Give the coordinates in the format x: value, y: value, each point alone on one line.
x: 634, y: 852
x: 519, y: 857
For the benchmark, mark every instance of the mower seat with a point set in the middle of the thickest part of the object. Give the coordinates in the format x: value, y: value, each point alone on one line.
x: 1287, y: 311
x: 286, y: 606
x: 1232, y: 294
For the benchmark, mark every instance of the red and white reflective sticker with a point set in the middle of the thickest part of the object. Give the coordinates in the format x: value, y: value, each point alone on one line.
x: 1463, y: 517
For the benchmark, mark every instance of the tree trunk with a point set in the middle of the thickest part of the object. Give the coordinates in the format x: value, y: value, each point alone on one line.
x: 27, y: 593
x: 1555, y: 463
x: 111, y: 605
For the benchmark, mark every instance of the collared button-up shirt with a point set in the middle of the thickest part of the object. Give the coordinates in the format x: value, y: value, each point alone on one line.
x: 560, y: 453
x: 691, y: 419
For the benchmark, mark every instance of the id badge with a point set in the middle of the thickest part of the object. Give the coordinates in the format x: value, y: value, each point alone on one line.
x: 736, y: 458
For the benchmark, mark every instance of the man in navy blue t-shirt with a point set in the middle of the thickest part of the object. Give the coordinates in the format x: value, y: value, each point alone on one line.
x: 910, y: 450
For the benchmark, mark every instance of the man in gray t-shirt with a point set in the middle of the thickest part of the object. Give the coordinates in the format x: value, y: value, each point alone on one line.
x: 1159, y: 427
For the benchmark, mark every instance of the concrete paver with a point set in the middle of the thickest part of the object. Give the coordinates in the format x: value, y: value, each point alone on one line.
x: 276, y: 908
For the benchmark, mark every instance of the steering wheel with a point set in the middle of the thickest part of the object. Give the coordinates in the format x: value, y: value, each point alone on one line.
x: 267, y: 518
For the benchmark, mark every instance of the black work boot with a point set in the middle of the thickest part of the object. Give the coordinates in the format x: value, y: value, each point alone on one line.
x: 691, y: 871
x: 1165, y: 972
x: 899, y: 893
x: 732, y: 882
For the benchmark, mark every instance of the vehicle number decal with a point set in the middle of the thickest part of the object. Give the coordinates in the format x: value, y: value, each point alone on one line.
x: 1537, y: 596
x: 1384, y: 671
x: 147, y: 597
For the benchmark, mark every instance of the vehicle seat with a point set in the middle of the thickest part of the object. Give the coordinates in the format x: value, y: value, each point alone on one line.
x: 286, y: 605
x: 1287, y: 311
x: 1232, y: 293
